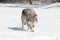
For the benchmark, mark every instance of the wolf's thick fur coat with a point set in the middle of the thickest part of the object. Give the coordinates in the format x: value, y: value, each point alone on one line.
x: 29, y: 17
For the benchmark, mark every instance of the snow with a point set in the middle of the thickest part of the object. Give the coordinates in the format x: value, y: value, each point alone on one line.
x: 23, y: 5
x: 47, y: 28
x: 54, y: 5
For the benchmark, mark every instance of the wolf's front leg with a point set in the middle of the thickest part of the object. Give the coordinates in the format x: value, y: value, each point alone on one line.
x: 29, y: 27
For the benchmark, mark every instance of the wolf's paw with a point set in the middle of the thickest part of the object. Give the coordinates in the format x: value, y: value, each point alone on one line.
x: 32, y: 30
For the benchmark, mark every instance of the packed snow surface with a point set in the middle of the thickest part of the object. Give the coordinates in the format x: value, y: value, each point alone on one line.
x: 47, y: 28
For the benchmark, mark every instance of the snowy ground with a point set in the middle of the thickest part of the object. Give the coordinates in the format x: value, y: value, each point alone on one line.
x: 47, y: 28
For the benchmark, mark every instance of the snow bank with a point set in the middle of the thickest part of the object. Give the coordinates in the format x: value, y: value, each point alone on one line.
x: 54, y: 5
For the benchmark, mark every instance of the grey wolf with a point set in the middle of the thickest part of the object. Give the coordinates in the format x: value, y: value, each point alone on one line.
x: 29, y: 17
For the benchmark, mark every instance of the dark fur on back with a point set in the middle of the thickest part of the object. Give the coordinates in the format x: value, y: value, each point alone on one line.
x: 24, y: 12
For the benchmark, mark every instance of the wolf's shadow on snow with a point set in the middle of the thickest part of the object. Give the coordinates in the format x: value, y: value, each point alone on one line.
x: 16, y: 28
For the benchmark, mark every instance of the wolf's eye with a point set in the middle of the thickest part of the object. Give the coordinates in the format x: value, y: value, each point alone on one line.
x: 34, y: 15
